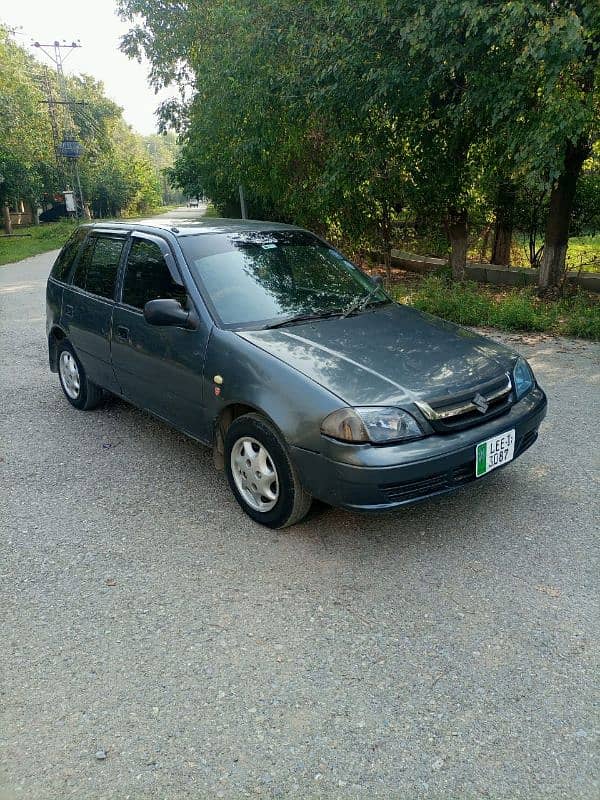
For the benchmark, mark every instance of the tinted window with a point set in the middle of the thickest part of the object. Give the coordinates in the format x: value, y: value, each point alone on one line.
x: 66, y: 257
x: 147, y: 276
x: 96, y: 270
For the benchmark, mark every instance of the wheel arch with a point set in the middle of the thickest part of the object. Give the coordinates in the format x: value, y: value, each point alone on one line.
x: 56, y: 335
x: 226, y: 416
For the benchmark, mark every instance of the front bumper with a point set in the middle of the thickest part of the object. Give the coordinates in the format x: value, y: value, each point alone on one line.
x: 371, y: 478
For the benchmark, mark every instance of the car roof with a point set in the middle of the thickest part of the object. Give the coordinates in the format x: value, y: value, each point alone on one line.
x: 191, y: 226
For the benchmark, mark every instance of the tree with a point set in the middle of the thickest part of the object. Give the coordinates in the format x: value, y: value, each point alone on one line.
x: 25, y: 136
x: 544, y: 104
x: 338, y: 113
x: 117, y: 173
x: 162, y: 151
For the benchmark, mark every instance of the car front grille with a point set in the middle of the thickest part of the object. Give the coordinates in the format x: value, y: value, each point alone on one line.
x: 445, y: 481
x: 478, y: 405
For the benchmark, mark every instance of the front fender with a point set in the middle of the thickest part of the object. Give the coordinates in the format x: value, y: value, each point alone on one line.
x: 250, y: 376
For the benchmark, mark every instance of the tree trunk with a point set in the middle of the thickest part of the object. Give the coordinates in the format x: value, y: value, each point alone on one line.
x: 484, y: 242
x: 457, y: 233
x: 6, y: 218
x: 552, y: 268
x: 35, y: 217
x: 503, y: 225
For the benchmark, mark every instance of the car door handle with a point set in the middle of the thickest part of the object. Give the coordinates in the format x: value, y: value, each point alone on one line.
x: 68, y: 311
x: 123, y: 333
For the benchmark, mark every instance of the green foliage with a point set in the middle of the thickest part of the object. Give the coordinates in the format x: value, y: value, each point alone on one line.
x: 584, y: 253
x: 341, y: 115
x: 468, y: 303
x: 211, y: 211
x: 521, y: 311
x: 462, y: 303
x: 581, y: 319
x: 120, y: 171
x: 162, y: 150
x: 586, y: 213
x: 25, y: 135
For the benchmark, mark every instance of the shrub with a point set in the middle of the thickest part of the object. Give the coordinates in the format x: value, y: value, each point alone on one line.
x: 510, y: 309
x: 581, y: 318
x: 462, y: 303
x: 521, y: 311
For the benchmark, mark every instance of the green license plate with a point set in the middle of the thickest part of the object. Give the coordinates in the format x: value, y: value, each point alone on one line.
x: 494, y: 452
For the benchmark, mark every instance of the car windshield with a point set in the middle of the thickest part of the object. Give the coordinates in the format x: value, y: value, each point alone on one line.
x: 258, y: 278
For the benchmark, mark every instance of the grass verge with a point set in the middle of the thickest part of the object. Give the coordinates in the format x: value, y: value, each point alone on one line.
x: 35, y: 240
x: 49, y: 236
x: 469, y: 303
x: 211, y: 211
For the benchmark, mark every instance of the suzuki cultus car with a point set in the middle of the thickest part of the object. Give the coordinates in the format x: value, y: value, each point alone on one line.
x: 265, y: 343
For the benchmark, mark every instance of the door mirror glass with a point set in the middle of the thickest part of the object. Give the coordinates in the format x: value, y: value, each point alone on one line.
x: 166, y: 311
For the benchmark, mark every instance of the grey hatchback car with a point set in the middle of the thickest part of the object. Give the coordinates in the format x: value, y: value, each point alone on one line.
x: 265, y: 343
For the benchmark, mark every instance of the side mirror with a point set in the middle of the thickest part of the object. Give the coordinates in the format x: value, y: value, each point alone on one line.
x: 377, y: 280
x: 167, y: 312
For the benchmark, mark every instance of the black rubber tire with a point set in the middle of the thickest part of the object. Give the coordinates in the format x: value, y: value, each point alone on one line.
x: 90, y: 396
x: 294, y: 502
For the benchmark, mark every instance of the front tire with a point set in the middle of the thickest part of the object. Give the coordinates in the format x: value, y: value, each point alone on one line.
x: 261, y: 475
x: 79, y: 391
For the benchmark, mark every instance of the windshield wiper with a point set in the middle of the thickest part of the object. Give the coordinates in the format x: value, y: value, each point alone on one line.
x: 362, y: 302
x: 303, y: 318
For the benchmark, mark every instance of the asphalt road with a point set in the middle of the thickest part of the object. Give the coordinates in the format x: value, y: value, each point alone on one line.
x: 448, y: 650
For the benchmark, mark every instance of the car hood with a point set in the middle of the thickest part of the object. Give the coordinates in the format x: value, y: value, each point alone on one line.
x: 391, y: 354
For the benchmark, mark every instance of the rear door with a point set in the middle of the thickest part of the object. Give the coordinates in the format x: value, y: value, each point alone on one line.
x: 59, y: 276
x: 159, y: 368
x: 88, y: 304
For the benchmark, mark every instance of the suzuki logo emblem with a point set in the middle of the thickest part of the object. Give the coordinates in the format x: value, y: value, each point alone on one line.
x: 480, y: 403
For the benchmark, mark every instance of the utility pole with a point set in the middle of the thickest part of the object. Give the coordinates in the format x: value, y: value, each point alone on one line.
x: 69, y: 147
x: 54, y: 52
x: 243, y: 202
x: 51, y: 102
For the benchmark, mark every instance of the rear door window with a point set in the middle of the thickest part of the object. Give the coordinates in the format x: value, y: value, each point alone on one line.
x: 147, y: 276
x: 96, y: 270
x: 66, y: 257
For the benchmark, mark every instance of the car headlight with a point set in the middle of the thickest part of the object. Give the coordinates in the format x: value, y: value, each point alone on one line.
x: 523, y: 377
x: 373, y: 424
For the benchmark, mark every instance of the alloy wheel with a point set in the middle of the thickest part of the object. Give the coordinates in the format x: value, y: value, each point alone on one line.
x: 69, y: 374
x: 254, y: 474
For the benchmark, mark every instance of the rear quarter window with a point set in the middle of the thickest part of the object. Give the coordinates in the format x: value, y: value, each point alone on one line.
x: 66, y: 257
x: 98, y: 265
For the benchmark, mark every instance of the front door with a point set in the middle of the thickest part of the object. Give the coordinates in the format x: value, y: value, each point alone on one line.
x: 160, y: 368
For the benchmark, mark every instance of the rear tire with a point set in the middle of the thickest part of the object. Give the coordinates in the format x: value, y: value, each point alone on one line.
x: 261, y: 475
x: 79, y: 391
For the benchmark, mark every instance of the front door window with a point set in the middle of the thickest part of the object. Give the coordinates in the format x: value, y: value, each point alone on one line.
x: 147, y: 276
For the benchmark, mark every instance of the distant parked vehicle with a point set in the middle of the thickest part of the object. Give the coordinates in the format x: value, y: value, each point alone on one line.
x: 58, y: 211
x: 193, y: 202
x: 265, y: 343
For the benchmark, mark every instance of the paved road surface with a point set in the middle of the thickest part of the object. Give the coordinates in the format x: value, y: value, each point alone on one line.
x: 444, y: 651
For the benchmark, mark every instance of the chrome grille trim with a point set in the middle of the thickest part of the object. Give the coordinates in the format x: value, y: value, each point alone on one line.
x: 463, y: 408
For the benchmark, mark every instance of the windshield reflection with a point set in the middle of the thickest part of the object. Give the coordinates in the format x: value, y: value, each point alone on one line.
x: 256, y: 278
